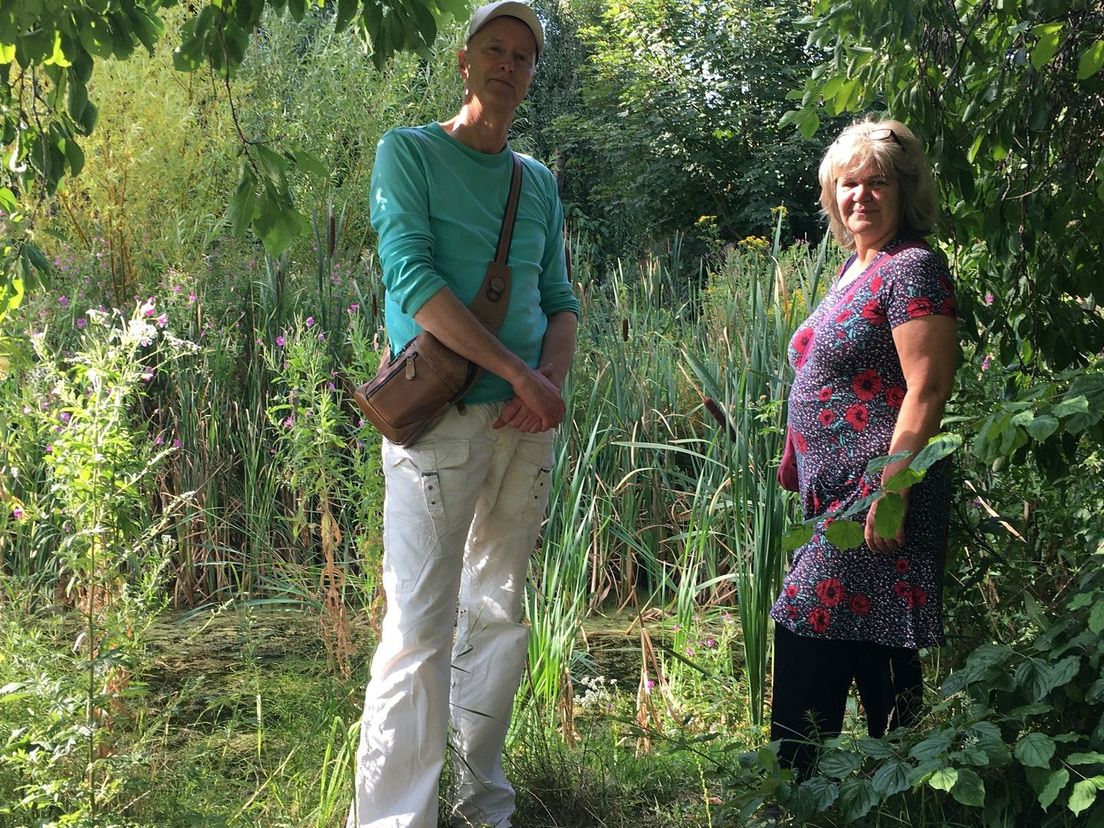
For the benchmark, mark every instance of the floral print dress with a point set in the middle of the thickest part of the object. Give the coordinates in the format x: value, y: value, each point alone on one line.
x: 846, y: 395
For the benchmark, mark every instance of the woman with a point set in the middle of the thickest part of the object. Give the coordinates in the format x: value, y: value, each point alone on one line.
x: 874, y: 364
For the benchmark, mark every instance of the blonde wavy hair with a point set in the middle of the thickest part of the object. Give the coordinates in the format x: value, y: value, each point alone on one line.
x: 898, y: 154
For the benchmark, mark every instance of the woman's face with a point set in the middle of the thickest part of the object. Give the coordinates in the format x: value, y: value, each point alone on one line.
x: 869, y: 202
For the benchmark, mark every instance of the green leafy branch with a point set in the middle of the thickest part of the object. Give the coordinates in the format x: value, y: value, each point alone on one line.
x: 48, y: 53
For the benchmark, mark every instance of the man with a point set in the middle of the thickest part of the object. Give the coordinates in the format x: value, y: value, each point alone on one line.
x: 464, y: 504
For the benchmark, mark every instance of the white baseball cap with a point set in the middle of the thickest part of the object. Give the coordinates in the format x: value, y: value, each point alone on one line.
x: 507, y: 8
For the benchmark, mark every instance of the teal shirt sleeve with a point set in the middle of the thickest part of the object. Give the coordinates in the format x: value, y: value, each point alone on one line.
x: 556, y: 292
x: 400, y: 216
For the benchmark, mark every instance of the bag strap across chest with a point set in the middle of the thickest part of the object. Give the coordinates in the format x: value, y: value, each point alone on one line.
x: 493, y: 298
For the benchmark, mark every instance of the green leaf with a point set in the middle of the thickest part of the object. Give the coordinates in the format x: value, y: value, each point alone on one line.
x: 1092, y: 59
x: 857, y: 798
x: 74, y: 155
x: 823, y: 792
x: 1049, y: 39
x: 1035, y: 750
x: 874, y: 748
x: 78, y: 98
x: 904, y: 479
x: 57, y: 56
x: 844, y: 534
x: 1042, y: 427
x: 346, y: 10
x: 879, y: 463
x: 88, y: 118
x: 944, y: 780
x: 808, y: 123
x: 1091, y: 758
x: 891, y: 778
x: 890, y: 513
x: 839, y: 763
x: 1096, y: 618
x: 934, y: 746
x: 1084, y: 794
x: 798, y: 536
x: 309, y: 163
x: 243, y: 205
x: 1071, y: 405
x: 938, y: 447
x: 969, y: 789
x: 1047, y: 784
x: 7, y: 53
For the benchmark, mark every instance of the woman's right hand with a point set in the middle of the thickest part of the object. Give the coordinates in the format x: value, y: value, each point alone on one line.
x: 876, y: 542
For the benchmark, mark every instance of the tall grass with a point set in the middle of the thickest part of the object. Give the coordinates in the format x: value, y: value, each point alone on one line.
x: 685, y: 511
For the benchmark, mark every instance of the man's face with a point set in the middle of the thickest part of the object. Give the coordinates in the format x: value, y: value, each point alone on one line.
x: 498, y: 64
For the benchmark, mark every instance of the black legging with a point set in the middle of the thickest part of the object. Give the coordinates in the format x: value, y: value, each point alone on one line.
x: 811, y: 679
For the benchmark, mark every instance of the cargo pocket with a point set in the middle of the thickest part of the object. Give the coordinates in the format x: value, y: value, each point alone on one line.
x: 534, y: 460
x: 426, y: 486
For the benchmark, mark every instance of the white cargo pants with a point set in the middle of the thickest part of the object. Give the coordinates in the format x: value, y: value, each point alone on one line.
x: 462, y: 513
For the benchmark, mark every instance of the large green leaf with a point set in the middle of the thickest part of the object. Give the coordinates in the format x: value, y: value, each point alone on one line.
x: 1091, y: 60
x: 1084, y: 793
x: 839, y: 763
x: 891, y: 778
x: 889, y: 515
x: 968, y: 788
x: 1035, y: 750
x: 944, y: 779
x: 857, y: 798
x: 1051, y: 785
x: 1049, y: 40
x: 845, y: 534
x: 938, y: 447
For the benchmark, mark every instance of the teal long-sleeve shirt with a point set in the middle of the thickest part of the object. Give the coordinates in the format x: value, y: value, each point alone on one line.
x: 437, y: 206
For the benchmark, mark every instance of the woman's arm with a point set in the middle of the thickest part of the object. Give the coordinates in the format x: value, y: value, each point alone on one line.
x: 928, y: 350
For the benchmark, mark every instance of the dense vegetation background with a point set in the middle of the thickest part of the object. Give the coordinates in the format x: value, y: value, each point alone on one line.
x: 189, y: 506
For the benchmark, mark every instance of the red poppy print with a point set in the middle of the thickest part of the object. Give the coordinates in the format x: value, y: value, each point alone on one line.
x: 792, y: 612
x: 843, y: 316
x: 903, y: 590
x: 902, y: 566
x: 875, y: 284
x: 873, y: 313
x: 802, y: 345
x: 895, y: 396
x: 919, y: 597
x: 791, y: 590
x: 947, y: 308
x: 830, y: 592
x: 826, y: 417
x: 819, y: 619
x: 867, y: 385
x: 824, y: 394
x: 857, y: 416
x: 859, y: 605
x: 920, y: 306
x: 800, y: 443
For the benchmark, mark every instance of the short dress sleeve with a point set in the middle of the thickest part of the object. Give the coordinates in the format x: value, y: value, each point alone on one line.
x: 915, y: 284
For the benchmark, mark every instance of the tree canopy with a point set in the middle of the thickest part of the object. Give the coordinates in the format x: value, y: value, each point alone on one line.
x: 1009, y: 98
